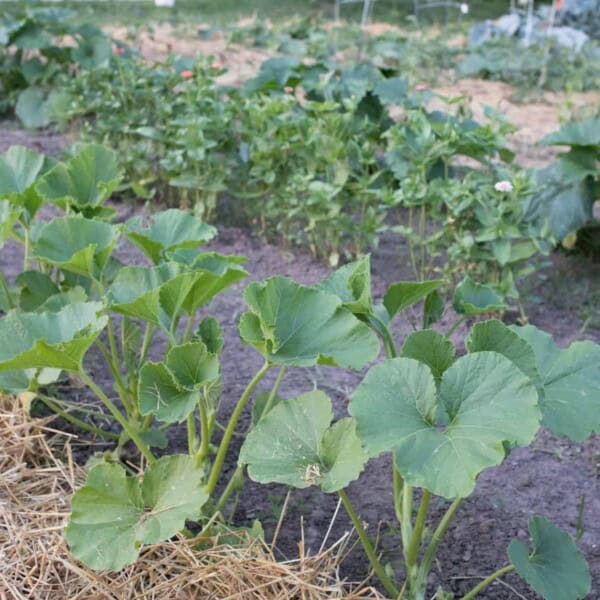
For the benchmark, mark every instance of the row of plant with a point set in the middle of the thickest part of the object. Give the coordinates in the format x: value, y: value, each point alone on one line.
x: 310, y: 153
x: 40, y: 49
x: 444, y: 419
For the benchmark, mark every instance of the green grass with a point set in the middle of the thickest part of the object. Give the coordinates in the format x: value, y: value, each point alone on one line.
x: 223, y: 12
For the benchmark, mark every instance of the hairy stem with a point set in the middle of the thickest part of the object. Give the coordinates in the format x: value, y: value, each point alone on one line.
x: 368, y: 547
x: 411, y: 553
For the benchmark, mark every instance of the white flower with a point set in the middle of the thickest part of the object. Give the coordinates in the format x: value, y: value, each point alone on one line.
x: 464, y: 8
x: 167, y: 3
x: 504, y: 186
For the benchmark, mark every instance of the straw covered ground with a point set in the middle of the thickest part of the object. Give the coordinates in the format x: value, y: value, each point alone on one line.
x: 37, y: 479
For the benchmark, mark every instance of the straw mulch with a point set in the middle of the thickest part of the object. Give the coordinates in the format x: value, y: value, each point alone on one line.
x: 35, y: 490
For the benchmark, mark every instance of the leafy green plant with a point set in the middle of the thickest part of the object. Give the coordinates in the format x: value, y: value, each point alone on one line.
x: 35, y: 60
x: 444, y: 420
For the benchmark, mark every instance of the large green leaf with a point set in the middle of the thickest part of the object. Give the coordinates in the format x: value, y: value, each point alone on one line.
x: 403, y: 294
x: 113, y: 515
x: 153, y: 294
x: 352, y: 285
x: 32, y: 109
x: 20, y: 168
x: 560, y: 205
x: 36, y: 288
x: 495, y: 336
x: 432, y: 348
x: 58, y: 339
x: 294, y: 444
x: 472, y: 298
x: 161, y: 395
x: 84, y: 182
x: 570, y: 400
x: 76, y: 244
x: 168, y: 231
x: 192, y: 365
x: 555, y: 569
x: 443, y: 440
x: 294, y: 325
x: 578, y: 133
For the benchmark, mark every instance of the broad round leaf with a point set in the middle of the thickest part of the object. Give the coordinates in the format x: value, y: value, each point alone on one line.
x: 555, y: 569
x: 52, y: 339
x: 161, y: 395
x: 293, y: 444
x: 432, y: 348
x: 76, y: 244
x: 352, y: 285
x: 192, y: 365
x: 472, y: 298
x: 112, y: 514
x: 442, y: 441
x: 570, y: 401
x: 169, y: 230
x: 495, y: 336
x: 294, y: 325
x: 84, y: 182
x: 153, y: 294
x: 9, y: 215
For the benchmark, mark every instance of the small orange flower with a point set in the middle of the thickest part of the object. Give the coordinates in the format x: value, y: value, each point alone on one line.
x: 119, y: 50
x: 187, y: 74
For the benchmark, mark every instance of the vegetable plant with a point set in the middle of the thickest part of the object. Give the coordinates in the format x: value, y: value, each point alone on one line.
x: 444, y: 419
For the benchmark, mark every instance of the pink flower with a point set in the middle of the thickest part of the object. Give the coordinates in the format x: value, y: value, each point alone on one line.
x: 421, y: 87
x: 119, y: 50
x: 288, y: 89
x: 187, y: 74
x: 216, y: 65
x: 504, y: 187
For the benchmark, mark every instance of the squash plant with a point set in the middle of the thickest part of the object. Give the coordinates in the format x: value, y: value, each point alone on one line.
x: 444, y: 419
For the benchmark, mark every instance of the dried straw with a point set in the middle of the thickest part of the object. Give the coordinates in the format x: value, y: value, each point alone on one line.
x: 35, y: 491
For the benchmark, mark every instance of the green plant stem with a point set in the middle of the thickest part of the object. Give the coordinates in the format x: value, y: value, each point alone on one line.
x: 234, y: 481
x: 191, y: 433
x: 75, y: 421
x: 148, y: 333
x: 368, y: 547
x: 204, y: 433
x: 384, y: 332
x: 411, y: 249
x: 398, y: 483
x: 438, y: 534
x: 27, y: 242
x: 127, y: 426
x: 411, y: 553
x: 187, y: 334
x: 116, y: 376
x: 224, y: 445
x: 456, y: 325
x: 423, y: 233
x: 407, y: 509
x: 487, y: 581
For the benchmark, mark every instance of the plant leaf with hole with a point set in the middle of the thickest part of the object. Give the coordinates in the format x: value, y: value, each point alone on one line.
x: 472, y: 298
x: 443, y: 439
x: 352, y: 285
x: 299, y: 326
x: 169, y: 230
x: 431, y: 348
x: 399, y: 296
x: 58, y: 340
x: 570, y: 400
x: 295, y: 445
x: 113, y: 514
x: 76, y: 244
x: 555, y: 568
